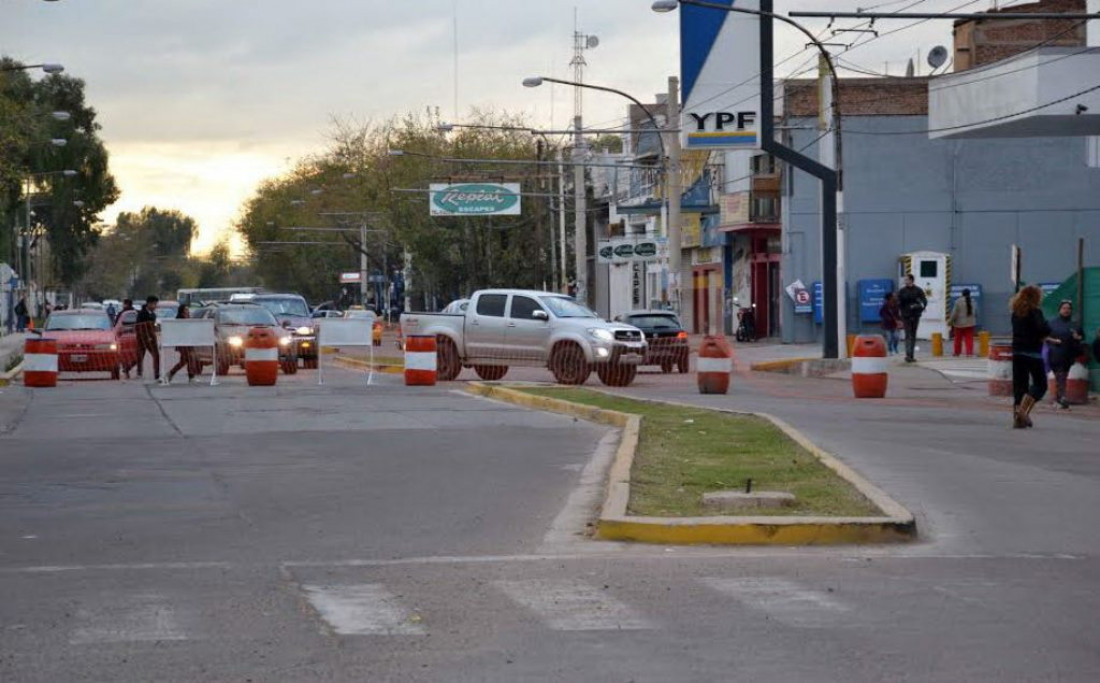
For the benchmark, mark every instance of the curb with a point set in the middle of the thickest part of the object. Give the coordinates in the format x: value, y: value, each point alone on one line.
x: 6, y: 378
x: 896, y: 525
x: 367, y: 365
x: 782, y: 365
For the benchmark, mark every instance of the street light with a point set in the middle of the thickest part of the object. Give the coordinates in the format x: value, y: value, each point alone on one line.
x: 670, y: 157
x: 832, y: 185
x: 66, y: 173
x: 49, y: 67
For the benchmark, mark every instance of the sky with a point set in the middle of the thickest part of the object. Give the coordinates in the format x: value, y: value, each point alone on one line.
x: 200, y: 100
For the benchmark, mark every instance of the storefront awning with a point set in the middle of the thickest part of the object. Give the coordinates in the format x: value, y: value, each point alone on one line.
x: 751, y: 227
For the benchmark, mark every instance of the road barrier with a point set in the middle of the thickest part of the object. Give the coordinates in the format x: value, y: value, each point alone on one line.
x: 1077, y: 385
x: 261, y: 357
x: 714, y: 365
x: 189, y: 333
x: 420, y: 360
x: 869, y: 375
x: 345, y: 332
x: 1000, y: 369
x: 40, y: 363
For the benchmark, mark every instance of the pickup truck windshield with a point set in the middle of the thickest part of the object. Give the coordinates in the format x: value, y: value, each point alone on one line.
x: 247, y: 316
x: 563, y: 307
x: 288, y: 305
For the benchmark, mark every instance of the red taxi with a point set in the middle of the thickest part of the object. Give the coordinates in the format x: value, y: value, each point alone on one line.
x: 86, y: 341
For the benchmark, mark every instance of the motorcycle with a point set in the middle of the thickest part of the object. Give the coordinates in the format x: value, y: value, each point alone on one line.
x: 746, y: 323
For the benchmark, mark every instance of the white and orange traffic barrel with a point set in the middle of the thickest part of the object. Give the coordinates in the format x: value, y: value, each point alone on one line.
x: 261, y: 357
x: 420, y: 360
x: 999, y: 367
x: 40, y: 362
x: 714, y: 365
x: 869, y: 375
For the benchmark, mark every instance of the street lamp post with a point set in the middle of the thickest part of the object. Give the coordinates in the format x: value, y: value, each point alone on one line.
x: 25, y: 247
x: 831, y: 178
x: 670, y: 156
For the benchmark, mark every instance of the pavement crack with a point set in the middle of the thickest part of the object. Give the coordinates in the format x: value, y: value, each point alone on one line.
x: 163, y: 412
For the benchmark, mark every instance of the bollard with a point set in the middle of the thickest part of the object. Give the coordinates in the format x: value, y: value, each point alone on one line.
x: 261, y: 357
x: 40, y: 363
x: 869, y: 376
x: 983, y: 344
x: 420, y: 360
x: 714, y: 366
x: 851, y: 344
x: 1000, y: 369
x: 937, y: 344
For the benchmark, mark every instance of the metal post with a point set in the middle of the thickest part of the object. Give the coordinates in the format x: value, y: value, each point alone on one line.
x: 829, y: 156
x: 363, y: 264
x: 580, y: 218
x: 828, y: 177
x: 564, y: 277
x: 675, y: 191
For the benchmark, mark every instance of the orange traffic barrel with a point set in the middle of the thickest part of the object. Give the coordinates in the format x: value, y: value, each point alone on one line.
x: 261, y: 357
x: 420, y: 360
x: 40, y: 363
x: 999, y: 368
x: 869, y: 376
x: 714, y: 365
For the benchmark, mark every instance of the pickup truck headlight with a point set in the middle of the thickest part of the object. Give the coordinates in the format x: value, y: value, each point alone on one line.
x: 284, y: 341
x: 601, y: 334
x: 235, y: 342
x: 303, y: 330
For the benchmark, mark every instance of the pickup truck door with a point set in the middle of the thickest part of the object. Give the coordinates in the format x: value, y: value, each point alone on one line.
x: 527, y: 335
x: 485, y: 326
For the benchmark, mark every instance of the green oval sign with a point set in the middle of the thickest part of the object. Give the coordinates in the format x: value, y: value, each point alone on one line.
x: 607, y: 252
x: 645, y: 249
x: 475, y: 199
x: 624, y: 250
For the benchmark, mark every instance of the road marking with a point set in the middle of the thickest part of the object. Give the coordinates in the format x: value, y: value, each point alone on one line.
x: 782, y: 600
x: 130, y: 618
x: 52, y: 569
x: 365, y: 609
x: 573, y: 606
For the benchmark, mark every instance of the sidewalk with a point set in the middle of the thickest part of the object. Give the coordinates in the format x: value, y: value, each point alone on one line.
x: 10, y: 344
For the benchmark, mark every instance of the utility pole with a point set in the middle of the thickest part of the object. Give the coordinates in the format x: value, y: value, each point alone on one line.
x: 363, y: 263
x: 580, y: 208
x: 829, y: 155
x: 673, y: 177
x: 563, y: 278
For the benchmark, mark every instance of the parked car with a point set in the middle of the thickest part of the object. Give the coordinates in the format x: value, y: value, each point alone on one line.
x: 166, y: 310
x: 86, y: 342
x: 666, y: 340
x: 504, y: 327
x: 231, y: 325
x: 292, y: 312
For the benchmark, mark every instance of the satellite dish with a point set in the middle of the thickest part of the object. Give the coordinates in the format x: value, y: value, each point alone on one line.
x: 937, y: 57
x: 592, y: 41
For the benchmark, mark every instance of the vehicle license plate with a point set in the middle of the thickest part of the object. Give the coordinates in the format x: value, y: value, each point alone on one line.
x: 78, y: 358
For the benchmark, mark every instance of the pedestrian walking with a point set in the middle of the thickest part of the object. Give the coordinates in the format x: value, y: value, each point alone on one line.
x: 21, y: 316
x: 963, y: 320
x: 912, y: 302
x: 1029, y: 331
x: 112, y: 312
x: 186, y: 358
x: 1063, y: 347
x: 890, y: 315
x: 146, y: 331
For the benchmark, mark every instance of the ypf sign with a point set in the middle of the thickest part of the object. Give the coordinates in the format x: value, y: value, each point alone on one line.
x: 720, y: 72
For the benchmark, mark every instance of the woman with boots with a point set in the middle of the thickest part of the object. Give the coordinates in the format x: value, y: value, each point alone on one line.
x: 1029, y: 331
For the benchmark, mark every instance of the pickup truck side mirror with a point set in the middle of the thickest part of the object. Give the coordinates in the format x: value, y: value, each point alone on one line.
x: 540, y: 315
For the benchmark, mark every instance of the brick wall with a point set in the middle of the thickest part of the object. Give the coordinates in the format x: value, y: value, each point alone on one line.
x: 862, y: 97
x: 983, y: 42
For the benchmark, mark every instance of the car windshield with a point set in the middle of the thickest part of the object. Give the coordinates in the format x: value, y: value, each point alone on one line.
x: 286, y: 306
x: 164, y: 312
x: 564, y: 307
x: 90, y: 321
x: 253, y: 315
x: 655, y: 321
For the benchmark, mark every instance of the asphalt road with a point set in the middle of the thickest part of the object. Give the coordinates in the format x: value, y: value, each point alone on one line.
x: 349, y: 532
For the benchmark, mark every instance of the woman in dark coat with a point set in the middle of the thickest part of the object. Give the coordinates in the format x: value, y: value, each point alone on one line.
x: 1029, y: 331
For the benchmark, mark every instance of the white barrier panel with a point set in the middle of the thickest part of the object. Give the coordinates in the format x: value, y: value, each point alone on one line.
x: 345, y: 332
x: 189, y: 332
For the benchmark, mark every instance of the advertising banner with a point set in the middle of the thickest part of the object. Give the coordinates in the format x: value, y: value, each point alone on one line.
x: 720, y: 73
x: 872, y: 293
x: 474, y: 199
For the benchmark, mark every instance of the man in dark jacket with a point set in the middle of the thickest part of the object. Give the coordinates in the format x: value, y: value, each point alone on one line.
x: 146, y: 331
x: 1064, y: 346
x: 912, y: 302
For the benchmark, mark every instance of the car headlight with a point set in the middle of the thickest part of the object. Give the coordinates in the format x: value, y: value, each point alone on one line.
x: 601, y: 334
x: 235, y: 342
x: 106, y: 347
x: 303, y: 330
x: 284, y: 341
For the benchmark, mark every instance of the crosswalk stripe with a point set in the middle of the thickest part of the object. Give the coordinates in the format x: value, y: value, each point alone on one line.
x: 363, y: 609
x: 573, y: 605
x: 129, y: 618
x: 783, y: 600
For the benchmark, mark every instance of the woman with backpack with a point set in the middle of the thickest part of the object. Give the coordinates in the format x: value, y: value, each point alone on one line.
x: 963, y: 320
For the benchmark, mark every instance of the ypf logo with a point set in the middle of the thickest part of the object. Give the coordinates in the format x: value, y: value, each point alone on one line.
x: 722, y: 129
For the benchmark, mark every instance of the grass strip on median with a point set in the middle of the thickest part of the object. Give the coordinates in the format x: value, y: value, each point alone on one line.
x: 685, y: 452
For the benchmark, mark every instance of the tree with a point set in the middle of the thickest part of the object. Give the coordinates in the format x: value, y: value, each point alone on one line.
x: 65, y: 208
x: 143, y: 253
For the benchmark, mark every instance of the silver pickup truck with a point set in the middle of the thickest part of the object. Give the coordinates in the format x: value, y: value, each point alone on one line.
x: 506, y: 327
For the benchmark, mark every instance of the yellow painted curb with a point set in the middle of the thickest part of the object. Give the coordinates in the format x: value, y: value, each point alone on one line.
x: 6, y: 378
x: 367, y: 365
x: 896, y: 524
x: 779, y: 365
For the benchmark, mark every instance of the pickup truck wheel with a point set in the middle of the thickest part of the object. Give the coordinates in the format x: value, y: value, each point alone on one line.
x: 309, y: 363
x: 568, y: 364
x: 615, y: 375
x: 447, y: 363
x: 491, y: 373
x: 290, y: 366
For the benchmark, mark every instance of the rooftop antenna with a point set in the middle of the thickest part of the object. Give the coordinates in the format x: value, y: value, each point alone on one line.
x: 581, y: 42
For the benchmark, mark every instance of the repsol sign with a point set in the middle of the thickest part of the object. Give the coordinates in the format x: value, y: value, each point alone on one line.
x: 475, y: 199
x: 720, y: 129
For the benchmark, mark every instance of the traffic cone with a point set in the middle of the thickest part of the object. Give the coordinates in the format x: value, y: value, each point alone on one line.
x: 30, y: 324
